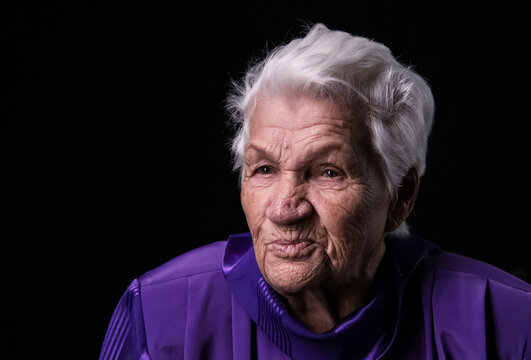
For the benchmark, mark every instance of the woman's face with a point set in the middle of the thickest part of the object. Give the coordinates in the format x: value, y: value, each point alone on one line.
x: 314, y: 201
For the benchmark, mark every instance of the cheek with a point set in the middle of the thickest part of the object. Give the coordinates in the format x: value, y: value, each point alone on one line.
x: 253, y: 204
x: 350, y: 219
x: 337, y: 210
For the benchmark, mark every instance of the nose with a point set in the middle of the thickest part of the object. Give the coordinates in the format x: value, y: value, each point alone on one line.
x: 289, y: 204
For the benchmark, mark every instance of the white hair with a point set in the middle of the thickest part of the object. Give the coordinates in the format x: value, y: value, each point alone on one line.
x: 359, y: 74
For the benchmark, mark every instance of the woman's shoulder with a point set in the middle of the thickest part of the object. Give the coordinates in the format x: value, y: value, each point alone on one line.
x: 475, y: 308
x: 203, y: 260
x: 459, y: 266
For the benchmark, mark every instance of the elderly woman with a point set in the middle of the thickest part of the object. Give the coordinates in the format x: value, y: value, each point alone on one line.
x: 331, y: 143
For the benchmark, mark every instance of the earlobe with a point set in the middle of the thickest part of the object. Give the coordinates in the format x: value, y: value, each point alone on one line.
x: 403, y: 201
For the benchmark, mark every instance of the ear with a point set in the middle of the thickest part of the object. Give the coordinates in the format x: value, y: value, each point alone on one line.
x: 403, y: 201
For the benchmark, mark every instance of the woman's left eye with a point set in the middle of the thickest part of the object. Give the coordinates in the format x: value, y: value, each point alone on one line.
x: 330, y: 173
x: 264, y: 170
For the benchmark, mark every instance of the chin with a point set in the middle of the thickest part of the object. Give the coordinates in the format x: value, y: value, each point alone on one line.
x: 292, y: 278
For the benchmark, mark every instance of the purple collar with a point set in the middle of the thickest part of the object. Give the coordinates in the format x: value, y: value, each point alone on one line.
x: 367, y: 332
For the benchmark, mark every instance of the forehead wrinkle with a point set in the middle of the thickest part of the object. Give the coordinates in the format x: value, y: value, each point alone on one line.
x: 264, y: 150
x: 280, y: 133
x: 344, y: 140
x: 296, y: 125
x: 278, y: 120
x: 277, y: 143
x: 320, y: 147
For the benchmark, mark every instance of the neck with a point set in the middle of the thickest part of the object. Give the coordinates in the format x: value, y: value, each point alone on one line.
x: 321, y: 308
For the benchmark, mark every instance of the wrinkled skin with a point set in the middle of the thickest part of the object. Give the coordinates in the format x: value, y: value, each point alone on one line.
x: 316, y: 205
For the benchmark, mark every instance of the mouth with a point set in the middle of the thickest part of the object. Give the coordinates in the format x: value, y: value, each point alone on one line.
x: 291, y: 249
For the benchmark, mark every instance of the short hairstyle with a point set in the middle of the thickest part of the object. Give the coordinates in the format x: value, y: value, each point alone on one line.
x: 357, y: 73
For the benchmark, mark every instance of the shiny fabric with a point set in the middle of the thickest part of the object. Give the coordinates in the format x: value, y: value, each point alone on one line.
x: 213, y: 303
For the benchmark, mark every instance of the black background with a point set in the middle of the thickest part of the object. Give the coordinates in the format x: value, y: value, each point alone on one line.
x: 115, y: 155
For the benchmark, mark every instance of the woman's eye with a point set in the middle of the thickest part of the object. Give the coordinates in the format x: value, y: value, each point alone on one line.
x: 264, y: 170
x: 330, y: 173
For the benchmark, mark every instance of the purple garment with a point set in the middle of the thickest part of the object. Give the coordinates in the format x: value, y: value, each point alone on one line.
x: 213, y: 303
